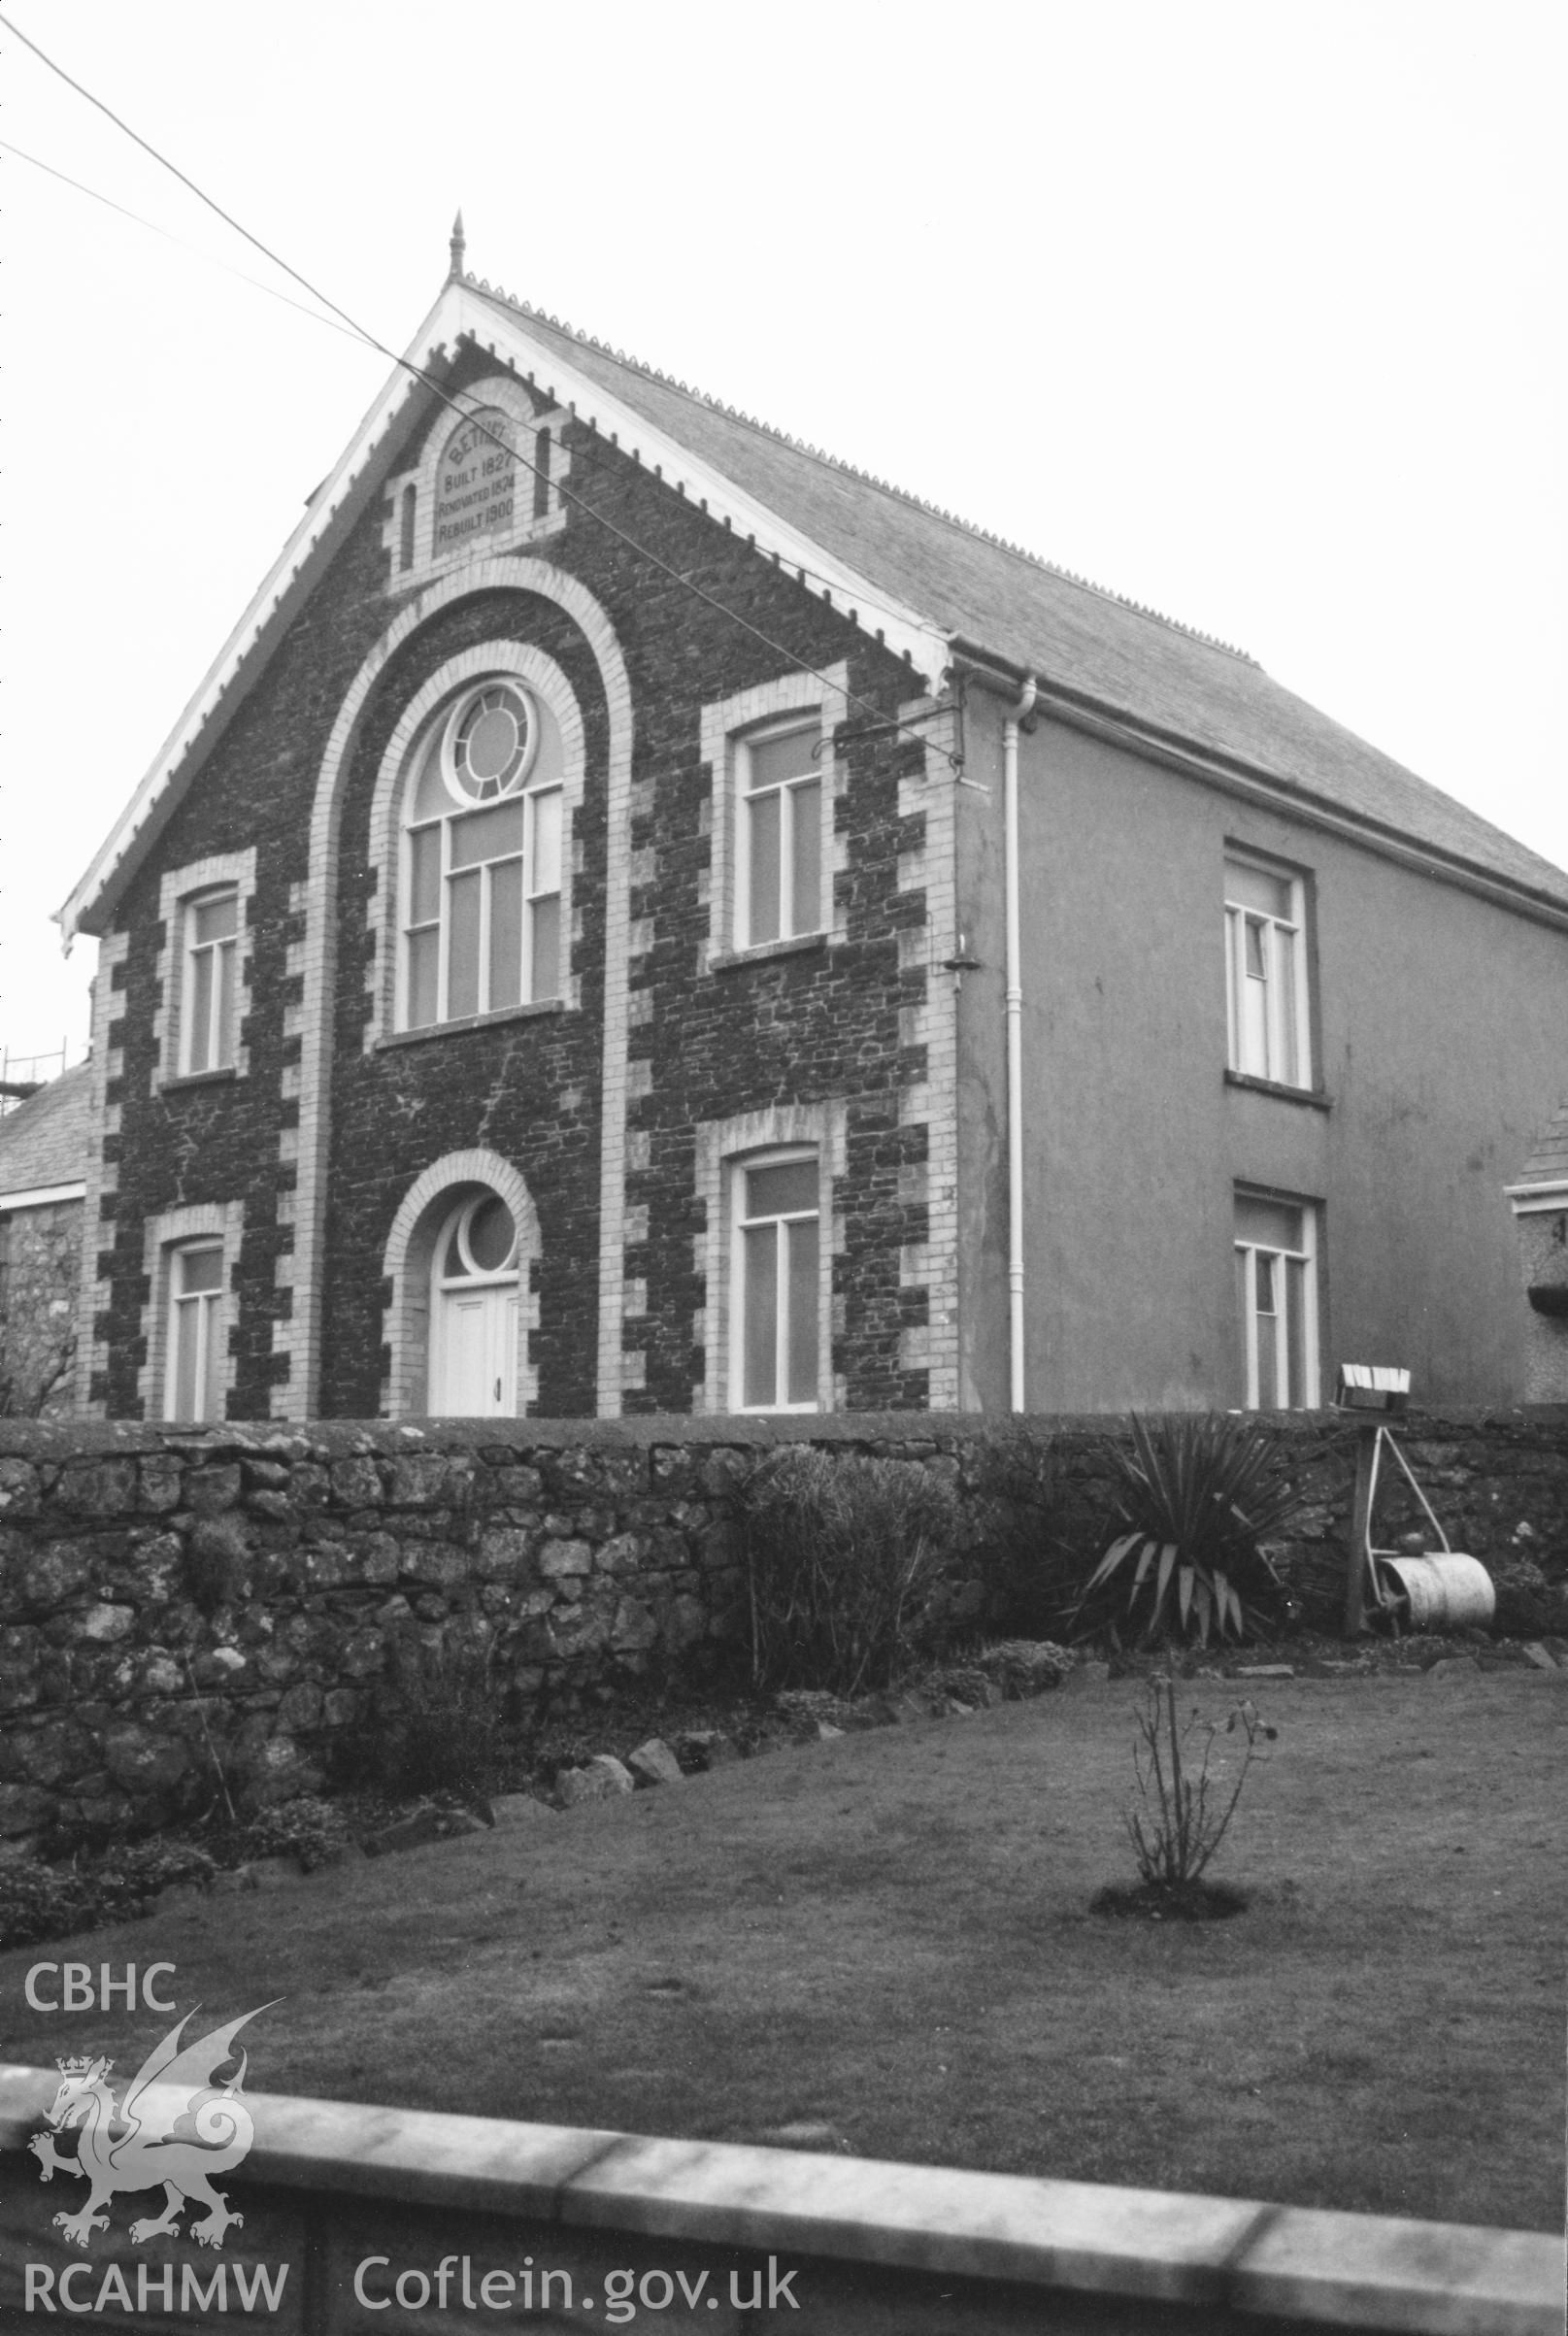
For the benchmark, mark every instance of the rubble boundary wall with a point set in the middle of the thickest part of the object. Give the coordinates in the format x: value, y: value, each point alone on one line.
x: 171, y: 1599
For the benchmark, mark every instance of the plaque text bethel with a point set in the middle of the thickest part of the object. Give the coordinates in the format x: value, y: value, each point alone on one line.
x: 475, y: 483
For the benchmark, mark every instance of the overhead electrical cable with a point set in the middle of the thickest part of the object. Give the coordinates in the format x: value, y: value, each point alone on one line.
x: 164, y: 163
x: 393, y: 357
x: 348, y: 332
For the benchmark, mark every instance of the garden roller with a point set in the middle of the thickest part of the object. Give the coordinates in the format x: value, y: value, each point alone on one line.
x: 1436, y: 1590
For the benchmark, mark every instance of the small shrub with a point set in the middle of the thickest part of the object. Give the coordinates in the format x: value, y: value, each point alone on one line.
x: 28, y: 1399
x: 844, y: 1559
x: 1195, y: 1496
x: 1178, y: 1829
x: 1528, y: 1605
x: 38, y: 1901
x: 1312, y: 1576
x: 1029, y: 1519
x: 441, y: 1732
x: 149, y: 1866
x: 1023, y: 1667
x: 306, y: 1828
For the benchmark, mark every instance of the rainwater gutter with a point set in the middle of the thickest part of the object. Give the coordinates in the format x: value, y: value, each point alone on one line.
x: 1257, y: 786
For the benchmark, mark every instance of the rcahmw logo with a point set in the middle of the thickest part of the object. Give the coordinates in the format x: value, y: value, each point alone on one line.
x: 199, y: 2288
x: 176, y: 2128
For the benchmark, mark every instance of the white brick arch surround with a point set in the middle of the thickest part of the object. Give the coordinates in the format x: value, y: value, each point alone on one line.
x: 410, y: 1255
x: 300, y: 1336
x: 545, y: 679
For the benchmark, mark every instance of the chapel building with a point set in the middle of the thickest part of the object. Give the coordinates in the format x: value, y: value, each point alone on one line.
x: 642, y: 917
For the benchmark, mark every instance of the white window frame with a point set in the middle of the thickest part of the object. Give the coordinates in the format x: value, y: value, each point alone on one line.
x: 181, y: 890
x: 385, y: 972
x: 524, y: 791
x: 1309, y: 1396
x: 810, y: 718
x: 787, y: 1155
x: 204, y: 1315
x: 1283, y: 944
x: 198, y: 1224
x: 221, y: 1034
x: 793, y: 699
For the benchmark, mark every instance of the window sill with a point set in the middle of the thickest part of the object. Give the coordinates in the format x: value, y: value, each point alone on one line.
x: 225, y: 1076
x: 799, y: 945
x: 1315, y: 1097
x: 534, y: 1012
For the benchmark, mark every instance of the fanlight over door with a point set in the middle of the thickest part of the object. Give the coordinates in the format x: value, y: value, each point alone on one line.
x: 474, y: 1312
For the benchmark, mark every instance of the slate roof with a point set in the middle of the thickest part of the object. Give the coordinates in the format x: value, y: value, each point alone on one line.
x: 44, y: 1141
x: 1072, y: 634
x: 944, y: 581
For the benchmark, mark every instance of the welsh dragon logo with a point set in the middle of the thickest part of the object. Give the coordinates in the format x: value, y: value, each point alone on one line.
x: 175, y: 2126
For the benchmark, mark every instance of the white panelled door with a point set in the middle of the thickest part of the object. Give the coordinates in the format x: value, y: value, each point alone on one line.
x: 474, y: 1312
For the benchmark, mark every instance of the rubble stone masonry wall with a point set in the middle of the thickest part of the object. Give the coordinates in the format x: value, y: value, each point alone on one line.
x: 40, y: 1267
x: 171, y: 1599
x: 1544, y: 1260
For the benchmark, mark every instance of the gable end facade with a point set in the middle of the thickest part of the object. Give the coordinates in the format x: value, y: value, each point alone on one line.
x: 593, y: 1093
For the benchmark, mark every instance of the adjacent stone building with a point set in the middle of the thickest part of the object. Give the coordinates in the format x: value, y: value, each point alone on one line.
x: 42, y: 1147
x: 643, y: 918
x: 1540, y: 1201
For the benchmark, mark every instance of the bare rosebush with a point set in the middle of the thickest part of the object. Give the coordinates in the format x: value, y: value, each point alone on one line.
x: 1180, y: 1827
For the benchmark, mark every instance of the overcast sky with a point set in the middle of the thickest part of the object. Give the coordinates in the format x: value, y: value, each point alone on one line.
x: 1253, y: 313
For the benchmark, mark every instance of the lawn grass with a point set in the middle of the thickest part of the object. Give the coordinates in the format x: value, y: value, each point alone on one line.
x: 889, y: 1935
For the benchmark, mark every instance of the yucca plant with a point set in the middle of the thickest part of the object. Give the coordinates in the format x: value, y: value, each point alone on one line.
x: 1195, y: 1496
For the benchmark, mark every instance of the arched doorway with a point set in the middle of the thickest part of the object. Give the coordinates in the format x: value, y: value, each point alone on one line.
x: 474, y: 1311
x: 461, y: 1306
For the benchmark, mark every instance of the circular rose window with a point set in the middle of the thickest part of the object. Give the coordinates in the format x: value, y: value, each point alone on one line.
x: 490, y: 744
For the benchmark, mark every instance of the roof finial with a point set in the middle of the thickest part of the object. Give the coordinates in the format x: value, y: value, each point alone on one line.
x: 458, y: 246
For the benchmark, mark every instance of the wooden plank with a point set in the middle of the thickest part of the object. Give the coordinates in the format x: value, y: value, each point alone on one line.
x: 1357, y: 1561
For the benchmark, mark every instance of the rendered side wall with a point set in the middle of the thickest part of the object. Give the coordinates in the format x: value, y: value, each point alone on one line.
x: 1437, y: 1030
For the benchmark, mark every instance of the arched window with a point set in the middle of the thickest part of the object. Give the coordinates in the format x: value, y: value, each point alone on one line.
x: 480, y: 899
x: 474, y: 1297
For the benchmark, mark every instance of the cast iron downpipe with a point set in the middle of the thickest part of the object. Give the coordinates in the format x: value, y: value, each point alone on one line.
x: 1019, y: 715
